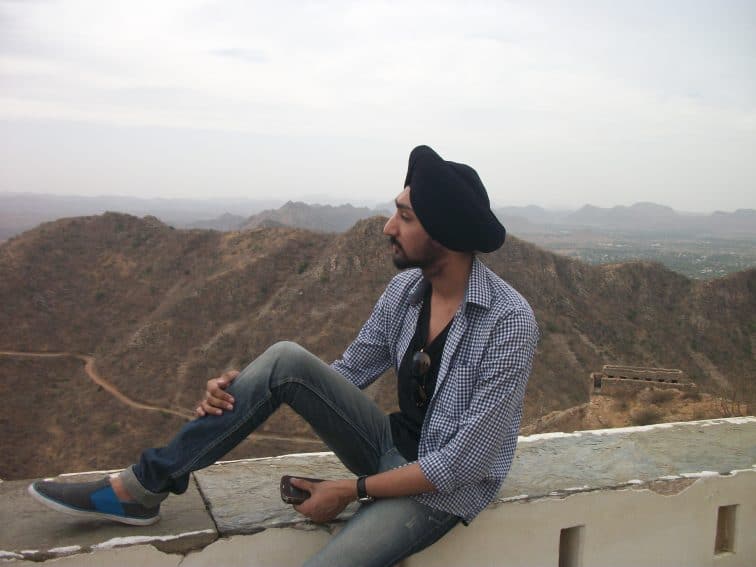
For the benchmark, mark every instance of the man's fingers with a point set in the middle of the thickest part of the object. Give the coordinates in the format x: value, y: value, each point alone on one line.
x: 215, y: 389
x: 211, y: 410
x: 226, y: 378
x: 216, y: 399
x: 219, y: 400
x: 214, y: 406
x: 302, y: 484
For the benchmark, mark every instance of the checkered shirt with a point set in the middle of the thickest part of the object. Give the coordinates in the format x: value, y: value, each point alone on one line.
x: 469, y: 435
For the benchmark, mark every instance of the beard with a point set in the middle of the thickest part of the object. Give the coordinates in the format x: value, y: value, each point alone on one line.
x: 427, y: 255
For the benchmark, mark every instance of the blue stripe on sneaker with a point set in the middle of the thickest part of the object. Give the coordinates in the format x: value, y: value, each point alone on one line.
x: 106, y: 501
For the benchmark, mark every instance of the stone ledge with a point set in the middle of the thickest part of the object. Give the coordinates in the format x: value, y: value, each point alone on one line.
x: 241, y: 497
x: 33, y: 531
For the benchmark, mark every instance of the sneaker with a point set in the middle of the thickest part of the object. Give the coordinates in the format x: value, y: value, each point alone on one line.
x: 92, y: 500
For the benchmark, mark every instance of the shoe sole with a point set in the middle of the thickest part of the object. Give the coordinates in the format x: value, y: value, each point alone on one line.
x: 42, y: 499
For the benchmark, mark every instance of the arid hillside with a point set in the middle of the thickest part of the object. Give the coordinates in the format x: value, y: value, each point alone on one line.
x: 162, y: 310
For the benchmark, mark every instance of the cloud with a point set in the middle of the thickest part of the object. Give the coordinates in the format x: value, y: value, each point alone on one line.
x: 581, y: 100
x: 246, y: 55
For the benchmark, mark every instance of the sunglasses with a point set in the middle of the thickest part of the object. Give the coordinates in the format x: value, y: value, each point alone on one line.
x: 421, y: 363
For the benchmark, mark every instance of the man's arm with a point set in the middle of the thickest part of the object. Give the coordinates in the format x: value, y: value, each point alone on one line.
x: 329, y: 498
x: 368, y: 356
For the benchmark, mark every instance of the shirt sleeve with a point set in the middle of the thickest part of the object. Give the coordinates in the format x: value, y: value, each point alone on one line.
x: 369, y: 355
x: 491, y: 422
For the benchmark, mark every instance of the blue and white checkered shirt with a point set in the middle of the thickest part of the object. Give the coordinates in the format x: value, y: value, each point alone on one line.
x: 469, y: 435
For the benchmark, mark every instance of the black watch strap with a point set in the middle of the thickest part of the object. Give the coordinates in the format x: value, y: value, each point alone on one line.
x: 362, y: 494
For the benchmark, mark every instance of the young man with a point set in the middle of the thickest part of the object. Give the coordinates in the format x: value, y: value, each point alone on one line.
x: 462, y: 343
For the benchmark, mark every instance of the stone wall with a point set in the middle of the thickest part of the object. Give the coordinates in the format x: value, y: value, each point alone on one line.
x: 665, y: 495
x: 619, y: 380
x: 672, y: 375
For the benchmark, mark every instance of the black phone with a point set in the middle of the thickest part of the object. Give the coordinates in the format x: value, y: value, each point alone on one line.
x: 290, y: 493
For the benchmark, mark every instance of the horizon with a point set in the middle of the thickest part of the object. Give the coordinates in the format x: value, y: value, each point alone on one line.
x: 334, y: 201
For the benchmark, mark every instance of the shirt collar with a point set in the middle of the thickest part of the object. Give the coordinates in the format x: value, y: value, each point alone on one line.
x: 477, y: 291
x: 417, y: 294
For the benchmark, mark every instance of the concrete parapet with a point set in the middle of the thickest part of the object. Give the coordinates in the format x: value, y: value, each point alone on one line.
x: 686, y: 490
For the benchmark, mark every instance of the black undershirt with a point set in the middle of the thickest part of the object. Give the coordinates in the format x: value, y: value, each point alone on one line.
x: 408, y: 421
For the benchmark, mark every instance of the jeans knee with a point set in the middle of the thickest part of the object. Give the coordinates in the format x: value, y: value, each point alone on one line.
x: 284, y: 350
x: 287, y: 357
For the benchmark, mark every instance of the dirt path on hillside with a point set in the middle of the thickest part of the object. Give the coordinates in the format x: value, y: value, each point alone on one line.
x: 91, y: 370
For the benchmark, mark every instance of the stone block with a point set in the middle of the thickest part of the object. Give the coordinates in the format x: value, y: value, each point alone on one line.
x: 244, y: 497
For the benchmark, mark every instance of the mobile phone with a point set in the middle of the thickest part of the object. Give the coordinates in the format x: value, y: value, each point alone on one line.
x: 290, y: 493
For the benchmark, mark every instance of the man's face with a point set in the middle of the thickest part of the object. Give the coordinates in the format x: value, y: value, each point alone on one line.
x: 411, y: 246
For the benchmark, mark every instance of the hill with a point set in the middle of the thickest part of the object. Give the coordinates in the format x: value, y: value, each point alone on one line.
x: 325, y: 218
x: 650, y: 217
x: 163, y: 310
x: 641, y: 408
x: 23, y: 211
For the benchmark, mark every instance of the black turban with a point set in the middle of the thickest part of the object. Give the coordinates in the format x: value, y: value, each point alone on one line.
x: 451, y: 203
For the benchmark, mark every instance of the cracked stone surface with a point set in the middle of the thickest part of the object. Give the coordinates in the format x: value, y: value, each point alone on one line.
x: 606, y: 458
x: 244, y: 496
x: 30, y: 530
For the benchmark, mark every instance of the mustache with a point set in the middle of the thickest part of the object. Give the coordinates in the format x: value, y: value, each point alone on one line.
x: 395, y: 242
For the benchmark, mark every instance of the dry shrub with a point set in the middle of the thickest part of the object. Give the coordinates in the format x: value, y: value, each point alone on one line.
x: 645, y: 416
x: 699, y: 414
x: 661, y: 396
x: 691, y: 394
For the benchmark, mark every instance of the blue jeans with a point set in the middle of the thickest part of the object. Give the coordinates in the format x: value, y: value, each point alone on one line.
x: 353, y: 426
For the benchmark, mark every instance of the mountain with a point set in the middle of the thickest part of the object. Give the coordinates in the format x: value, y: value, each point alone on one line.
x: 741, y: 222
x: 647, y: 217
x: 640, y: 216
x: 162, y: 310
x: 23, y: 211
x: 226, y: 222
x: 533, y: 214
x: 326, y: 218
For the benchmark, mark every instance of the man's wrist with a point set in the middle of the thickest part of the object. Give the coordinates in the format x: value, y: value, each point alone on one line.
x: 362, y: 493
x: 348, y: 490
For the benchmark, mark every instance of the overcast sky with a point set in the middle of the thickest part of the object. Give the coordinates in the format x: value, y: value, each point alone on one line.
x: 557, y: 104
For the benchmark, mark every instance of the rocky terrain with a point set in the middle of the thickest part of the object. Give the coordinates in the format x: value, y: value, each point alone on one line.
x: 162, y: 310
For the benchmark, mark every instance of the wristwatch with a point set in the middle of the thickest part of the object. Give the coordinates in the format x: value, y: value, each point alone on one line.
x: 362, y: 495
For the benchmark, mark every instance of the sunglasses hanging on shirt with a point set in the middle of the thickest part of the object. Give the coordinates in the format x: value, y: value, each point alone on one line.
x: 421, y: 363
x: 421, y: 360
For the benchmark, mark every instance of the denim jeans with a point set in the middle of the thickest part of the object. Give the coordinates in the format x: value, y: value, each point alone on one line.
x: 353, y: 426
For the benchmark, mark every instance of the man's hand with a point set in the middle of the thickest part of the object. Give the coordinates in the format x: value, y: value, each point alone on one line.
x: 328, y: 498
x: 216, y: 400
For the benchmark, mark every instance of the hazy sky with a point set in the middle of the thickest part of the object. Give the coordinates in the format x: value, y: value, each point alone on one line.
x: 554, y: 103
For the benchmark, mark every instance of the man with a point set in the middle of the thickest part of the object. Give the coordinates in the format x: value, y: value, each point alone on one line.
x: 462, y: 343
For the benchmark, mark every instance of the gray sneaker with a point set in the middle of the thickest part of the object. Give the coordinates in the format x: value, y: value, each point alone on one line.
x: 92, y: 500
